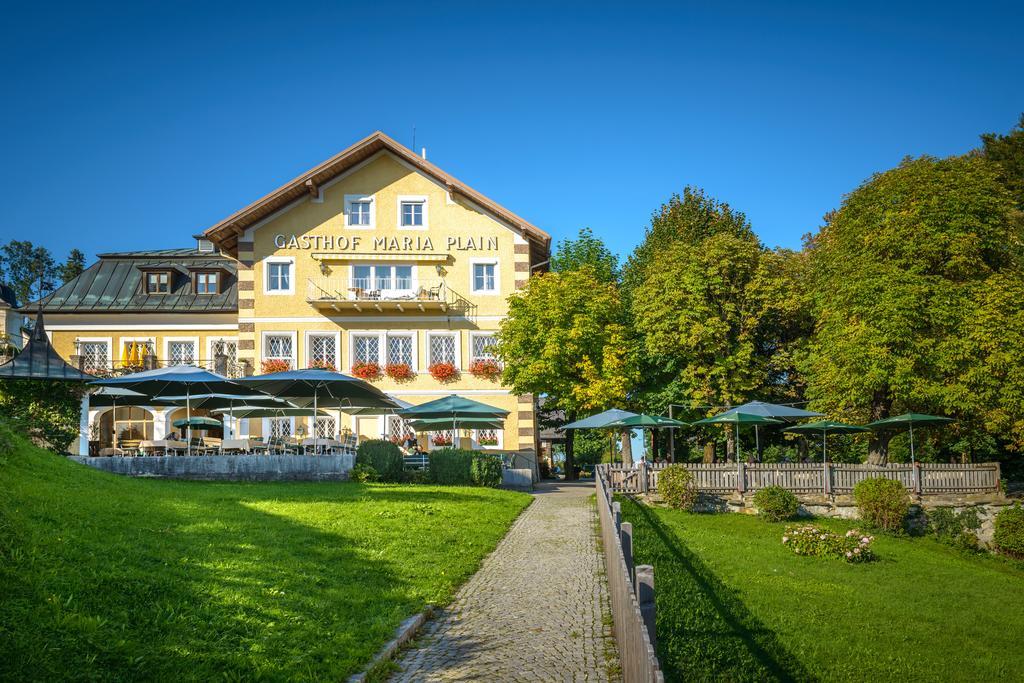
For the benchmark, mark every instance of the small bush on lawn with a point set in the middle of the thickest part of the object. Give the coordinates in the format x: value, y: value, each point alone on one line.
x: 383, y: 456
x: 677, y: 487
x: 451, y: 466
x: 883, y: 503
x: 485, y: 470
x: 776, y: 504
x: 1009, y: 532
x: 364, y: 473
x: 956, y: 529
x: 807, y: 539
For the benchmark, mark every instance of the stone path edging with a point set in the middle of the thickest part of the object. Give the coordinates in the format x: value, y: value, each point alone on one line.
x: 403, y: 634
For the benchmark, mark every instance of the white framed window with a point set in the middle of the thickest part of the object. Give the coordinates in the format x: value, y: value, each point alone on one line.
x: 95, y: 352
x: 279, y: 346
x: 322, y: 349
x: 401, y: 348
x: 481, y: 346
x: 488, y: 438
x: 381, y: 281
x: 279, y: 427
x: 398, y: 427
x: 360, y: 212
x: 443, y: 347
x: 181, y: 350
x: 144, y: 346
x: 222, y: 345
x: 484, y: 276
x: 207, y: 282
x: 366, y: 348
x: 412, y: 212
x: 278, y: 275
x: 325, y: 428
x: 444, y: 438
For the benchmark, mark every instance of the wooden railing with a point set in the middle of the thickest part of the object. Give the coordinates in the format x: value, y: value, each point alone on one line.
x: 919, y: 478
x: 631, y: 591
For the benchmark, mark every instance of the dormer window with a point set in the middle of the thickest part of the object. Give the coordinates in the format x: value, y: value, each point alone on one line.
x: 207, y: 283
x: 158, y: 282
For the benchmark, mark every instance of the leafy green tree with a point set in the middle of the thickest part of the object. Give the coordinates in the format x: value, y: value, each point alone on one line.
x: 586, y: 251
x: 27, y: 268
x: 45, y: 410
x: 566, y: 336
x: 919, y: 265
x: 1008, y: 152
x: 73, y: 266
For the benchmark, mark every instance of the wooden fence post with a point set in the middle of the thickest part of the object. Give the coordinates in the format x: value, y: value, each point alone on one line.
x: 643, y: 477
x: 626, y: 538
x: 617, y: 513
x: 828, y: 478
x: 644, y: 585
x: 741, y: 476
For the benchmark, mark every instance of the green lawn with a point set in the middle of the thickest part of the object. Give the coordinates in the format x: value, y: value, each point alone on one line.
x: 108, y: 578
x: 734, y: 604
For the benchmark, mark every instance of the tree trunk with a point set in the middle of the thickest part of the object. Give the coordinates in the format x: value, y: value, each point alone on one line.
x: 655, y: 446
x: 878, y: 443
x: 730, y: 448
x: 627, y: 447
x: 570, y: 464
x: 801, y: 449
x: 709, y: 451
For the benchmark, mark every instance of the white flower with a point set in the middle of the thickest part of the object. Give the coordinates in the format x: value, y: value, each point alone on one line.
x: 785, y: 539
x: 849, y: 554
x: 856, y: 551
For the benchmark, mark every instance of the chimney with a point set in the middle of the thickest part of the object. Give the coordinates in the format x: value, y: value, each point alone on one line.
x: 424, y: 154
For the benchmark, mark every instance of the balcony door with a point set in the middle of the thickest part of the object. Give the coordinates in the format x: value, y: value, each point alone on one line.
x: 382, y: 282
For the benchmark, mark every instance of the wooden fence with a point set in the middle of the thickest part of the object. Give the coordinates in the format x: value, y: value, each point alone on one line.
x: 919, y: 478
x: 631, y: 590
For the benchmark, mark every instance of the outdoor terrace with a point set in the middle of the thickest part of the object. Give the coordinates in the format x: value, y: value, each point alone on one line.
x: 368, y: 296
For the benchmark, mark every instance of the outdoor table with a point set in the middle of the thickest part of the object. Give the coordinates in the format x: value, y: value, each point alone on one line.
x: 243, y: 445
x: 325, y: 445
x: 162, y: 445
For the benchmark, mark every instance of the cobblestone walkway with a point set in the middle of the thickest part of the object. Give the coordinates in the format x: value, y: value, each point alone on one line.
x: 534, y: 610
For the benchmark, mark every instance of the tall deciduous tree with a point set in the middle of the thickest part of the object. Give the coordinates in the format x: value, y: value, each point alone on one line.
x: 1008, y: 152
x: 565, y: 336
x: 586, y: 251
x: 910, y: 275
x: 27, y: 269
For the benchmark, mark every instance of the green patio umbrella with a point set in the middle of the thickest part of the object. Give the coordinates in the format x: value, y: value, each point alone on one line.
x: 738, y: 419
x: 826, y: 426
x: 197, y: 423
x: 452, y: 409
x: 247, y: 412
x: 437, y: 424
x: 908, y: 420
x: 646, y: 422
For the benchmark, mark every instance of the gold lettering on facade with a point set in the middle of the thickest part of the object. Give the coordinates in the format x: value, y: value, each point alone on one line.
x: 409, y: 244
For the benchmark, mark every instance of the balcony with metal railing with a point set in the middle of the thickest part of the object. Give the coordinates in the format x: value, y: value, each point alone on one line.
x: 101, y: 367
x: 393, y: 295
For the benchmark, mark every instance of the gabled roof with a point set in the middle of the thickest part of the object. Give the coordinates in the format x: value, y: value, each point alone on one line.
x: 225, y: 234
x: 114, y: 284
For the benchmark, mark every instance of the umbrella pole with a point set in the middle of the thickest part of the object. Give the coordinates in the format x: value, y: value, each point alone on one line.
x: 188, y: 419
x: 315, y: 440
x: 911, y: 443
x: 757, y: 441
x: 824, y: 458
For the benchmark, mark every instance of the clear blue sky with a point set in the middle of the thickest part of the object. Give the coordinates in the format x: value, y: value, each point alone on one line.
x: 139, y: 125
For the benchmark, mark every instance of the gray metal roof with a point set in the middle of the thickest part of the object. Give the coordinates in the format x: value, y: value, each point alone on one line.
x: 114, y: 284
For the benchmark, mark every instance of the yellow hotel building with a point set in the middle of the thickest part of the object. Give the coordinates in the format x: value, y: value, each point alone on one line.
x: 376, y: 256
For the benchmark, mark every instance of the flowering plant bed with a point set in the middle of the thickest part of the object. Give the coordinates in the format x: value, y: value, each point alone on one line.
x: 399, y: 372
x: 485, y: 368
x: 272, y: 365
x: 807, y: 539
x: 441, y: 440
x: 321, y: 364
x: 444, y: 372
x: 488, y: 441
x: 367, y: 371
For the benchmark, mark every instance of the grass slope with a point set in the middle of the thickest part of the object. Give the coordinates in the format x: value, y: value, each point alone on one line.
x: 108, y: 578
x: 734, y: 604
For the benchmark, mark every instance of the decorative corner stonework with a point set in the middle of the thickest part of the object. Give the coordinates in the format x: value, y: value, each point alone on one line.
x: 246, y: 327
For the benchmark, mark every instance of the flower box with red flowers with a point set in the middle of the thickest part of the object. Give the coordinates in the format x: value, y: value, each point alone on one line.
x: 367, y: 371
x: 444, y: 372
x: 441, y: 440
x: 485, y: 368
x: 321, y: 364
x: 272, y: 365
x: 399, y: 372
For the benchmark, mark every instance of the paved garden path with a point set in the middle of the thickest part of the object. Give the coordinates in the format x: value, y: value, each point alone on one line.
x: 534, y: 610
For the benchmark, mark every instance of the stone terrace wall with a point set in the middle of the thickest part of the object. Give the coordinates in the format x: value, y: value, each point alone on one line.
x: 228, y: 467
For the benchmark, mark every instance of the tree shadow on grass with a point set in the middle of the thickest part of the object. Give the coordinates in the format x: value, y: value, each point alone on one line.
x: 704, y: 630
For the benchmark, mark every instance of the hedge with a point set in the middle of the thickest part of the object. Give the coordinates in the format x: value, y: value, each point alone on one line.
x: 383, y: 456
x: 459, y: 467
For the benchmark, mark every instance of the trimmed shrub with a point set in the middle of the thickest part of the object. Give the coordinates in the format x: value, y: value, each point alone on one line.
x: 776, y: 504
x: 383, y: 456
x: 952, y: 528
x: 485, y: 470
x: 363, y: 473
x: 677, y: 487
x: 1009, y: 532
x: 451, y: 466
x: 813, y: 541
x: 883, y: 503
